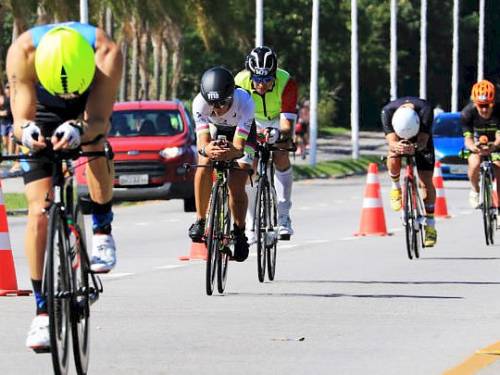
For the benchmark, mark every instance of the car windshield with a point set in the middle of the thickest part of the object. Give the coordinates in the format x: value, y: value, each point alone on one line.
x: 447, y: 127
x: 146, y: 123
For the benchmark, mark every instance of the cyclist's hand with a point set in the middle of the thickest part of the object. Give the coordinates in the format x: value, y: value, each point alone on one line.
x: 403, y: 147
x: 67, y: 136
x: 215, y: 151
x: 32, y: 136
x: 272, y: 135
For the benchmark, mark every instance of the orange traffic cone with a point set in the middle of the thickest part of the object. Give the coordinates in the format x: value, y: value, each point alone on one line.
x: 8, y: 281
x: 198, y: 251
x: 440, y: 207
x: 372, y: 214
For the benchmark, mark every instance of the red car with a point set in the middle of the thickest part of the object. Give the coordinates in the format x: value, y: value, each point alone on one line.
x: 151, y: 141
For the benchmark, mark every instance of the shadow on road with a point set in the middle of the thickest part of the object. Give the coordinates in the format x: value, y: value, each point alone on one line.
x: 339, y: 295
x: 370, y: 282
x: 460, y: 258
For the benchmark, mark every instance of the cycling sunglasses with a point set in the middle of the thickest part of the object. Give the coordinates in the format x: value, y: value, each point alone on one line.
x: 483, y: 106
x: 262, y: 79
x: 222, y: 103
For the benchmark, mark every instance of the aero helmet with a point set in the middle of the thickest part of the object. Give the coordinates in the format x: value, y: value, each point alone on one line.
x: 262, y: 61
x: 217, y: 85
x: 405, y: 122
x: 483, y: 92
x: 64, y: 62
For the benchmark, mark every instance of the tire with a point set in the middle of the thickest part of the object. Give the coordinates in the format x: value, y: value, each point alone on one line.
x: 58, y: 290
x: 223, y: 256
x: 213, y: 242
x: 485, y: 208
x: 189, y: 204
x: 407, y: 217
x: 261, y: 228
x: 80, y: 310
x: 273, y: 225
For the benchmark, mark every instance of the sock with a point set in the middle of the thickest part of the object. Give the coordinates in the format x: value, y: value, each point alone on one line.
x: 251, y: 194
x: 41, y: 303
x: 429, y: 211
x: 102, y: 216
x: 395, y: 181
x: 283, y: 181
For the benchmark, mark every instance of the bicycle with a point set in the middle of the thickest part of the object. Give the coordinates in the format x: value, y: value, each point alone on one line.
x: 486, y: 178
x: 266, y: 210
x: 69, y: 285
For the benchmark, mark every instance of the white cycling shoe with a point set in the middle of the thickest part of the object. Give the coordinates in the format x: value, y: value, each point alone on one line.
x: 474, y: 199
x: 103, y: 253
x: 251, y: 236
x: 285, y: 230
x: 38, y: 336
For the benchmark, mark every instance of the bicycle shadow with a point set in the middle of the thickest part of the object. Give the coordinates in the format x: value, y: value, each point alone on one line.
x: 383, y: 282
x: 460, y: 258
x: 339, y: 295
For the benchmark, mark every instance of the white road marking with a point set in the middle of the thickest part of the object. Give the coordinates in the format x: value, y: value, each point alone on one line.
x: 169, y: 267
x: 397, y: 229
x: 349, y: 238
x: 115, y: 275
x: 318, y: 241
x: 288, y: 246
x: 142, y: 224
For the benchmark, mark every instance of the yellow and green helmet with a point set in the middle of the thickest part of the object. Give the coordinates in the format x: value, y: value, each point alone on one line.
x: 64, y: 61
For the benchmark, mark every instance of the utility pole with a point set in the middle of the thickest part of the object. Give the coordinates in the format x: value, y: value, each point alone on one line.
x: 394, y: 49
x: 259, y: 23
x: 84, y: 11
x: 313, y: 114
x: 423, y: 49
x: 454, y: 77
x: 354, y: 81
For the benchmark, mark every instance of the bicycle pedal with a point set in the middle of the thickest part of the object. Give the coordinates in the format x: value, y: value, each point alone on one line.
x: 43, y: 350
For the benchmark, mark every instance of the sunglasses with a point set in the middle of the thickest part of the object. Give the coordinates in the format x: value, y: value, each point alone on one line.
x: 264, y: 79
x: 222, y: 103
x: 484, y: 106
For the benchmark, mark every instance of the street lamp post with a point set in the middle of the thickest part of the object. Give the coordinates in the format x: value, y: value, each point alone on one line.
x: 259, y: 23
x: 313, y: 91
x: 354, y: 81
x: 84, y: 11
x: 454, y: 77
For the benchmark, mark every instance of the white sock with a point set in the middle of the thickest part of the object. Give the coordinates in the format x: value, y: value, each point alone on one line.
x: 395, y: 184
x: 251, y: 194
x: 283, y: 181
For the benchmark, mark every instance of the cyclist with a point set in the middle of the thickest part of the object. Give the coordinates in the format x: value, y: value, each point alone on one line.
x: 302, y: 130
x: 222, y: 109
x: 481, y: 117
x: 274, y: 93
x: 408, y: 121
x: 64, y: 79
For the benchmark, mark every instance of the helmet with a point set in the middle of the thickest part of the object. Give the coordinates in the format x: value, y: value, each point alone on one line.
x: 217, y: 85
x: 64, y: 61
x: 483, y: 92
x: 405, y: 122
x: 262, y: 61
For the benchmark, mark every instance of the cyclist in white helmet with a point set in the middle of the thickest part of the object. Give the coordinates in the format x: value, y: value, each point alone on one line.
x: 408, y: 121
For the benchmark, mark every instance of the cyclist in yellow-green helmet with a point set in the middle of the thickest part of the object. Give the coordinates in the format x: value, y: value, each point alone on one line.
x: 64, y: 78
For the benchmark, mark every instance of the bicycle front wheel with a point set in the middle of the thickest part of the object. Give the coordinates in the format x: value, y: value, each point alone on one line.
x: 273, y: 232
x: 223, y: 256
x: 260, y: 228
x: 485, y: 189
x: 80, y: 304
x: 213, y: 239
x: 58, y: 290
x: 408, y: 216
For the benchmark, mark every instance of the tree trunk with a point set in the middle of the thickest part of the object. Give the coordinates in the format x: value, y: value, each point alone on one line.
x: 18, y: 27
x: 176, y: 71
x: 42, y: 17
x: 109, y: 22
x: 124, y: 82
x: 164, y: 71
x: 143, y: 68
x: 134, y: 67
x: 156, y: 40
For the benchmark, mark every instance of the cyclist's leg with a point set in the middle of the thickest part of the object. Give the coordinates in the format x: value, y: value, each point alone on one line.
x: 496, y: 163
x: 425, y: 167
x: 394, y: 170
x: 474, y: 162
x: 99, y: 172
x: 283, y: 181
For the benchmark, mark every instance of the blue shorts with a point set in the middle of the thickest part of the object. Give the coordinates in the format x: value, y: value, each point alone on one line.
x: 5, y: 128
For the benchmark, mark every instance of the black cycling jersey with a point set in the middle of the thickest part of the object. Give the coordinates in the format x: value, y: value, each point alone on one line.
x: 422, y: 107
x: 474, y: 125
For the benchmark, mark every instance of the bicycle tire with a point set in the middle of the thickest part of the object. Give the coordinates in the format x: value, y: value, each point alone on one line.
x: 417, y: 226
x: 260, y: 229
x: 485, y: 207
x: 58, y: 289
x: 223, y: 256
x: 271, y: 251
x: 407, y: 212
x: 212, y: 235
x: 80, y: 309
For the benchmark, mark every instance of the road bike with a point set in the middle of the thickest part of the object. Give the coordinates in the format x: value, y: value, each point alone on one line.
x: 69, y: 285
x: 488, y: 209
x: 266, y: 209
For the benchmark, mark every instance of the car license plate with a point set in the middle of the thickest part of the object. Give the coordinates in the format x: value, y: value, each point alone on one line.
x: 133, y: 179
x: 458, y: 169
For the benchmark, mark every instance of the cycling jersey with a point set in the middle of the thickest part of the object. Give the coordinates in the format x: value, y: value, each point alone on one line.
x: 473, y: 125
x: 424, y: 158
x: 281, y: 101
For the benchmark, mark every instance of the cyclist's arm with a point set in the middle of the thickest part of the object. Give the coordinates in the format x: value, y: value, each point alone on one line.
x: 468, y: 130
x: 22, y: 80
x: 288, y: 114
x: 104, y: 89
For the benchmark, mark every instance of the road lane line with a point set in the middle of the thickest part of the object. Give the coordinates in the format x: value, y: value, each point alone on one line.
x: 477, y: 361
x: 349, y: 238
x: 169, y: 266
x: 115, y: 275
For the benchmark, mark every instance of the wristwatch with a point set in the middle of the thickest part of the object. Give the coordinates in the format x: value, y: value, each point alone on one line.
x: 202, y: 151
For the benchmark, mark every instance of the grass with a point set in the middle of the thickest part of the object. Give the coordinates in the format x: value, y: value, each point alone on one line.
x: 334, y: 168
x: 332, y: 131
x: 15, y: 201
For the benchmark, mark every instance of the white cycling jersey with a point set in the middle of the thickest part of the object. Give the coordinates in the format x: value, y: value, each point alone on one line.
x: 239, y: 115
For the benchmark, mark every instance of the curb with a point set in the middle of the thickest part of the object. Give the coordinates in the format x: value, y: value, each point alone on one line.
x: 19, y: 212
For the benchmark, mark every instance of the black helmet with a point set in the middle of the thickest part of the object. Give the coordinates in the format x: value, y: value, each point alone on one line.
x: 217, y: 85
x: 262, y: 61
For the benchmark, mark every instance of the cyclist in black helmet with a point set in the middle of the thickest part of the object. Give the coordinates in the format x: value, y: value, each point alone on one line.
x: 222, y: 109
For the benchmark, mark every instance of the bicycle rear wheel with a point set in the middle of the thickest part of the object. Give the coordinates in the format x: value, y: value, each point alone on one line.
x: 212, y: 235
x: 223, y: 251
x: 260, y: 228
x: 485, y: 207
x: 272, y: 231
x: 58, y: 290
x: 80, y: 304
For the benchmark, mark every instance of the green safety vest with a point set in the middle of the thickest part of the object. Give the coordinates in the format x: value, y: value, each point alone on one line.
x: 268, y: 106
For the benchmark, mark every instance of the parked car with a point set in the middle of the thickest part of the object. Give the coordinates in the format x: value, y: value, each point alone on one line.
x: 449, y: 144
x: 151, y: 141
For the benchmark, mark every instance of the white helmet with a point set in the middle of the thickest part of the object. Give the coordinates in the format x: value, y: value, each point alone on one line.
x: 405, y: 122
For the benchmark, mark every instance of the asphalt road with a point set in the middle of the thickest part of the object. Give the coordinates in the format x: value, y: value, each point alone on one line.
x: 340, y: 304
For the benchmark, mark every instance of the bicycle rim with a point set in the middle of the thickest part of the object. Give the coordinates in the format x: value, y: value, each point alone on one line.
x: 485, y: 208
x: 80, y: 311
x: 260, y: 228
x: 407, y: 219
x: 212, y: 240
x: 57, y: 286
x: 273, y: 228
x: 223, y: 256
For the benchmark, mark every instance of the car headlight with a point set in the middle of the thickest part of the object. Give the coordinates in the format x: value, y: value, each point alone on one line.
x: 438, y: 154
x: 171, y: 152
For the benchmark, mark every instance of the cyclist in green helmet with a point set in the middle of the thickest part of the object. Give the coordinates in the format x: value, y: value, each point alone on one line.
x: 64, y: 79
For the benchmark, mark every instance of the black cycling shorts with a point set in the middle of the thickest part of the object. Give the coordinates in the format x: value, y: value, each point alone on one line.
x: 425, y: 159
